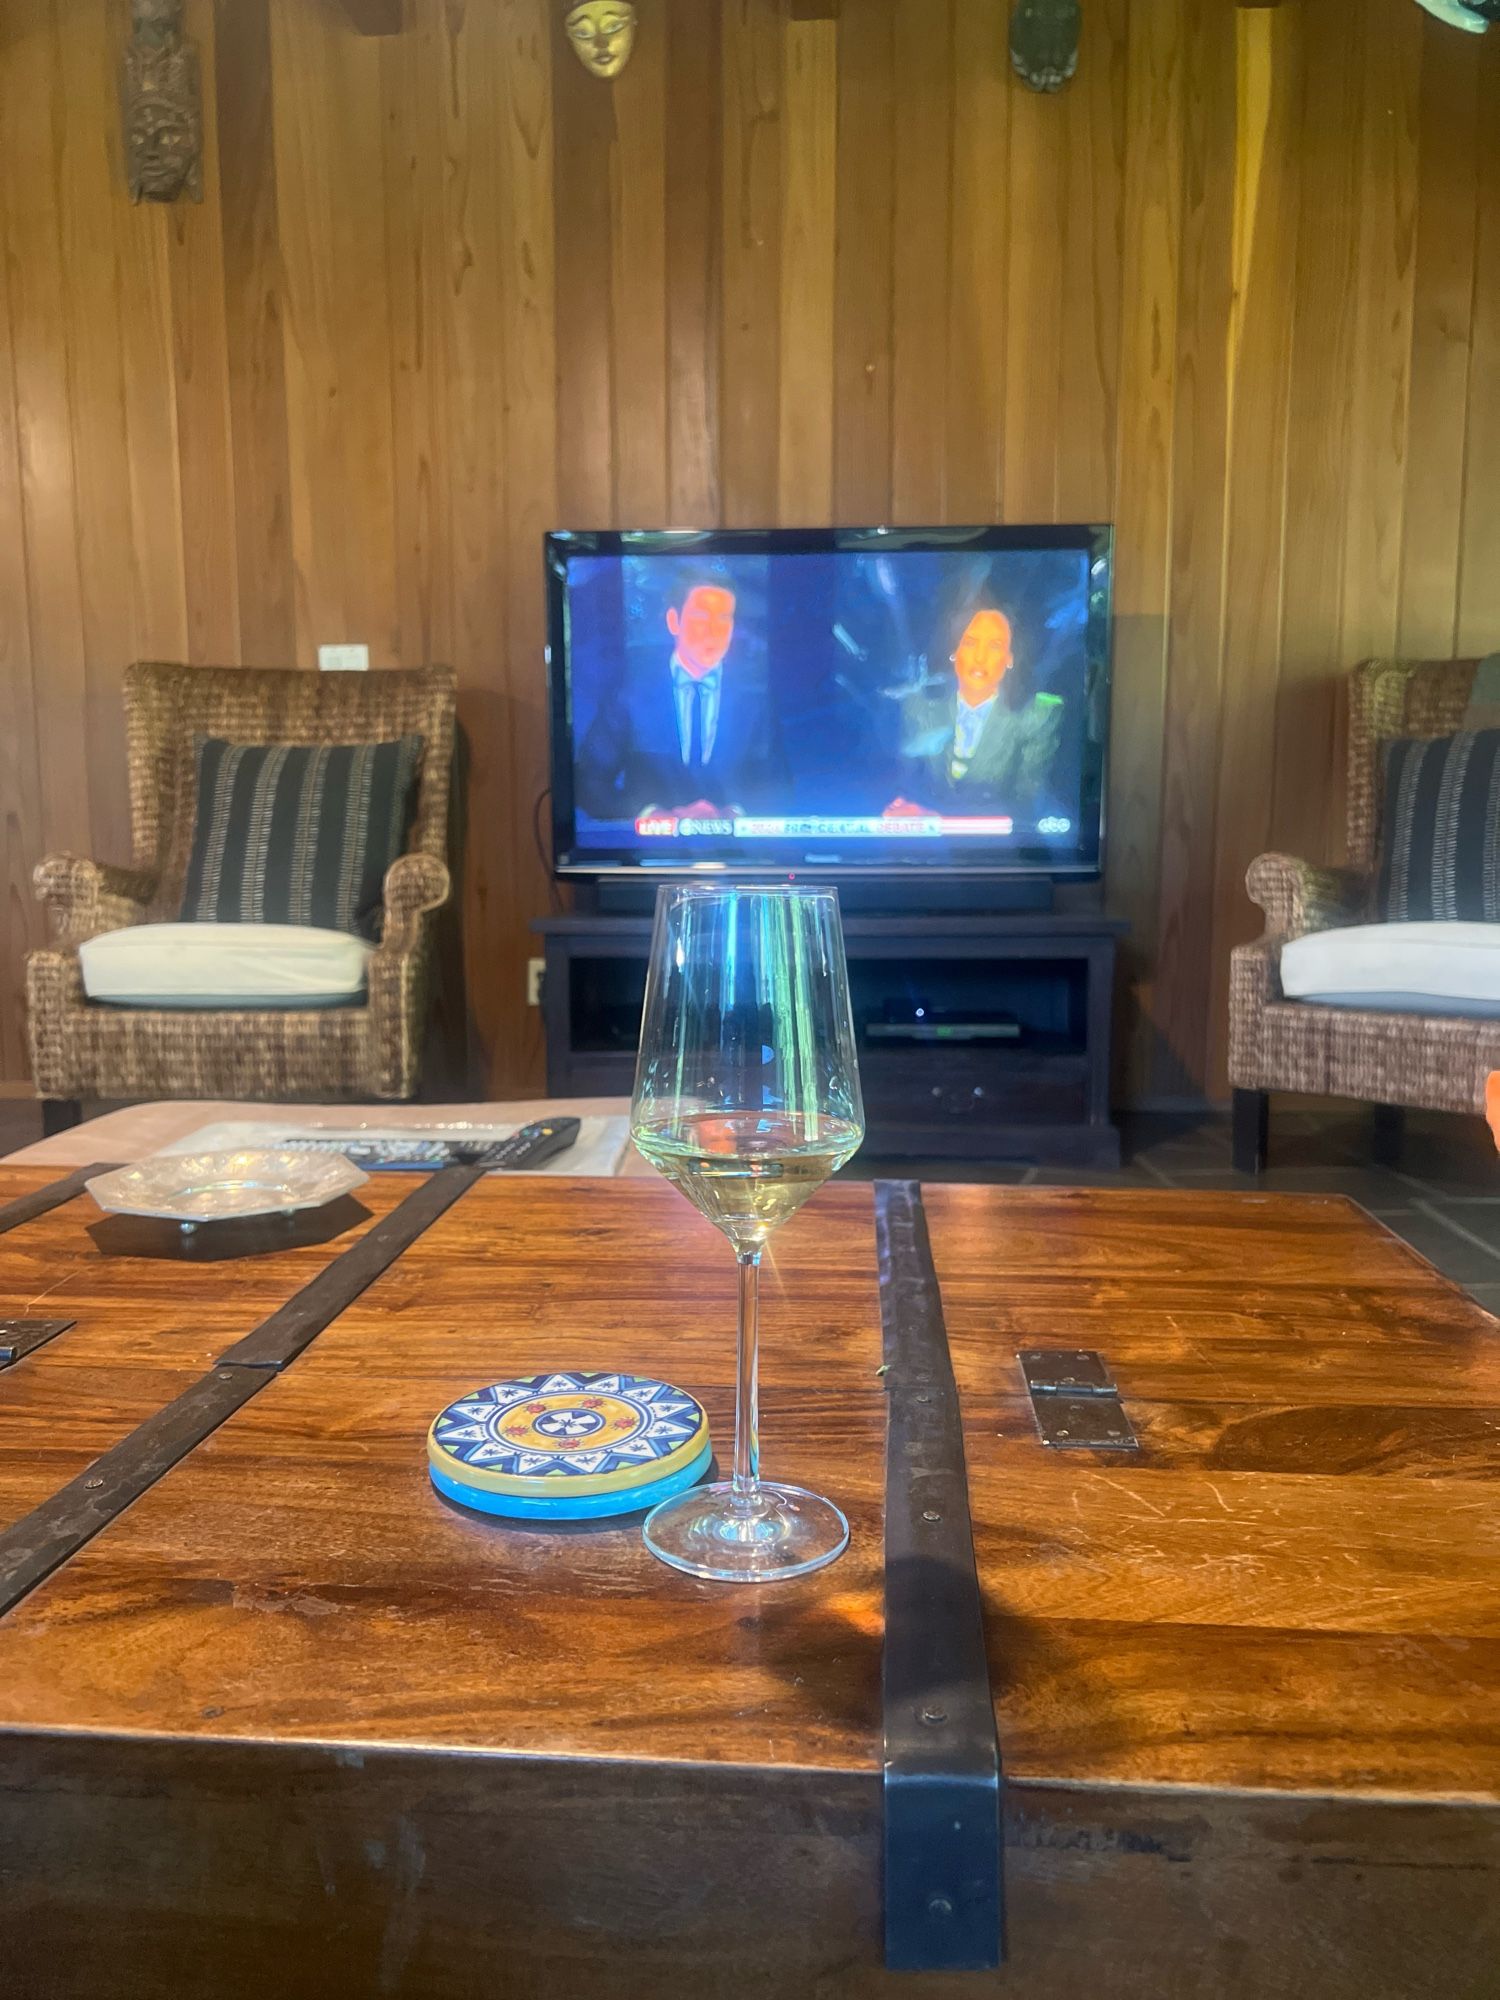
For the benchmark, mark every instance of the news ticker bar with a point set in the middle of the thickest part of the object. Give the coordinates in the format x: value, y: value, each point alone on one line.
x: 901, y: 826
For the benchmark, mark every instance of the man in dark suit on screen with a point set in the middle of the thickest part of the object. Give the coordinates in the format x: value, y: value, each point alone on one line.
x: 688, y: 737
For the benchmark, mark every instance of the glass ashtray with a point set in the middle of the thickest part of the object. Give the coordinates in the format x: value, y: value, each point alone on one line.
x: 222, y: 1187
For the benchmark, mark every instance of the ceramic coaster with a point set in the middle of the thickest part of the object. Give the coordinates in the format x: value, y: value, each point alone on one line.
x: 569, y: 1447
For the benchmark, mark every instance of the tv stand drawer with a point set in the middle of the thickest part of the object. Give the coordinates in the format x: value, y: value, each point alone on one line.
x: 974, y: 1087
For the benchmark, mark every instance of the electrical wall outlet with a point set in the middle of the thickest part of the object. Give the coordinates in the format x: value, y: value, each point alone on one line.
x: 536, y: 972
x: 344, y: 659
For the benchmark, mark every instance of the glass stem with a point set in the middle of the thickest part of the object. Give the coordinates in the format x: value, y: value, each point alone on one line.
x: 747, y: 1390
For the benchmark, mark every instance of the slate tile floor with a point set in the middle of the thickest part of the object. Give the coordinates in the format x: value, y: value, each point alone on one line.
x: 1443, y: 1195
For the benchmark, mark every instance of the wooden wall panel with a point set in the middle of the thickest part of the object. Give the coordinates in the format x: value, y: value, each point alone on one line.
x: 1238, y: 288
x: 1269, y: 60
x: 1442, y: 342
x: 1306, y: 808
x: 1382, y: 348
x: 583, y: 137
x: 1153, y: 195
x: 1093, y: 250
x: 977, y: 286
x: 694, y: 162
x: 751, y: 222
x: 1195, y: 618
x: 809, y: 119
x: 865, y: 278
x: 923, y: 224
x: 1479, y: 577
x: 32, y: 116
x: 88, y: 188
x: 637, y: 284
x: 255, y: 300
x: 530, y: 356
x: 199, y: 312
x: 20, y: 733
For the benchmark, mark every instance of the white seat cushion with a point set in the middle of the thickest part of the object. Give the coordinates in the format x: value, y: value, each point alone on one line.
x: 225, y: 965
x: 1425, y: 968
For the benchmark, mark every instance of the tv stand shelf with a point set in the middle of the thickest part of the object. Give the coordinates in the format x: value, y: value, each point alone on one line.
x: 1041, y: 1098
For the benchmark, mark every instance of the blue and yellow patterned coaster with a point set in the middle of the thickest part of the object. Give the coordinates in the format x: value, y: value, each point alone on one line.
x: 569, y: 1447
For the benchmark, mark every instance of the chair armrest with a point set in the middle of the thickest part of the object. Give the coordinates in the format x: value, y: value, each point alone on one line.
x: 1298, y: 897
x: 398, y: 972
x: 414, y: 884
x: 87, y: 897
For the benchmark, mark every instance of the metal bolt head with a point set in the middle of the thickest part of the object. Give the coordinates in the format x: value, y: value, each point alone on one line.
x: 939, y: 1906
x: 931, y: 1514
x: 91, y: 1483
x: 932, y: 1715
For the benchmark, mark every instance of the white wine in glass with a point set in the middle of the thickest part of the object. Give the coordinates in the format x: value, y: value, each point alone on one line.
x: 747, y: 1099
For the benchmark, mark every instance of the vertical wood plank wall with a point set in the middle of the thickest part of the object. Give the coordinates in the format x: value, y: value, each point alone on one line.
x: 1238, y: 289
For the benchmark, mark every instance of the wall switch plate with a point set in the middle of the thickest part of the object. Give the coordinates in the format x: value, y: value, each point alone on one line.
x: 536, y: 971
x: 344, y: 659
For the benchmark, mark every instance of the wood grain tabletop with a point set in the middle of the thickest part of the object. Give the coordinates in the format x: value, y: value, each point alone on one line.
x: 1252, y: 1668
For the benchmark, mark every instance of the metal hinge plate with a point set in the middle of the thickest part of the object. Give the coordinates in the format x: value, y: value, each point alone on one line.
x: 21, y: 1336
x: 1074, y: 1400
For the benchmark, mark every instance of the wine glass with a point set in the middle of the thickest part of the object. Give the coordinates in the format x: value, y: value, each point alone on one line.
x: 747, y: 1099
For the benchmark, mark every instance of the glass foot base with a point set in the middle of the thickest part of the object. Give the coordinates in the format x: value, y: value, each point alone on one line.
x: 779, y: 1532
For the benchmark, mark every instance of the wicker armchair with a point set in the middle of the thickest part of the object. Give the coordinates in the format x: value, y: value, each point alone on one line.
x: 1395, y: 1060
x: 369, y: 1051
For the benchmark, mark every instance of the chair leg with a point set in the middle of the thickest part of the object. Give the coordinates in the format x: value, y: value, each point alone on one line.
x: 1389, y: 1127
x: 60, y: 1114
x: 1252, y: 1124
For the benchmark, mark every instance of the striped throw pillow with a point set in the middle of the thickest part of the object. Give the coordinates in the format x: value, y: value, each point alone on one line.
x: 1440, y: 831
x: 288, y: 833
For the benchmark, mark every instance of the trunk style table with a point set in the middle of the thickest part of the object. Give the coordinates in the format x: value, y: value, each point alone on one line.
x: 276, y: 1719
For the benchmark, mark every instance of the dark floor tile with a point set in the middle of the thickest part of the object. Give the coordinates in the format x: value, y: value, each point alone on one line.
x: 1206, y: 1137
x: 1393, y: 1218
x: 1462, y: 1258
x: 1211, y: 1151
x: 1460, y: 1180
x: 1371, y: 1186
x: 977, y: 1173
x: 1318, y: 1149
x: 1475, y: 1221
x: 1478, y: 1219
x: 1088, y: 1177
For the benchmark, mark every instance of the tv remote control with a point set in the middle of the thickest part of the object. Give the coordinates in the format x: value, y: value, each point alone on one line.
x: 531, y: 1147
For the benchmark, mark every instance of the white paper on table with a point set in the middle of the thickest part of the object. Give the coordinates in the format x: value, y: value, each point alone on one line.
x: 601, y: 1145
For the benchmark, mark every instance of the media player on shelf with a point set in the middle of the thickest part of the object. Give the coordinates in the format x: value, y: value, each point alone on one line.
x: 925, y: 1024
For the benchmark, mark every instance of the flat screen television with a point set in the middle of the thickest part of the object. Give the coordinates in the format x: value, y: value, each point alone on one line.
x: 836, y: 702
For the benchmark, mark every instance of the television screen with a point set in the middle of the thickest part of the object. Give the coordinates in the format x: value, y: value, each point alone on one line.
x: 833, y: 701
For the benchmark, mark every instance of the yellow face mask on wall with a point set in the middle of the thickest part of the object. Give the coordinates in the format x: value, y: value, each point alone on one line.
x: 603, y: 34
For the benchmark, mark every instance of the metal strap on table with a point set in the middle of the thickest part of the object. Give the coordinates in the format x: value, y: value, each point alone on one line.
x: 45, y: 1538
x: 27, y: 1206
x: 943, y: 1828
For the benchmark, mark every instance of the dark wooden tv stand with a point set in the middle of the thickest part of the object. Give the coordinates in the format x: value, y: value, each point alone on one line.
x: 1042, y: 1097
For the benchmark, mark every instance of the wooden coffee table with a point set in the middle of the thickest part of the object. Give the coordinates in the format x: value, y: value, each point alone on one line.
x: 290, y: 1724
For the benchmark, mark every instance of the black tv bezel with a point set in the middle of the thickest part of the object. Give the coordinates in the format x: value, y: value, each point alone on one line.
x: 1082, y: 862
